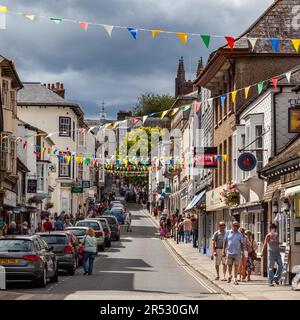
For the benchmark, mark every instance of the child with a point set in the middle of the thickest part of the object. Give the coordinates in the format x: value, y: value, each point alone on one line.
x: 163, y: 230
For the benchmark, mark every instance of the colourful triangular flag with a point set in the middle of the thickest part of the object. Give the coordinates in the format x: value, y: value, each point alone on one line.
x: 288, y: 76
x: 252, y: 42
x: 230, y: 41
x: 182, y: 37
x: 296, y: 44
x: 108, y: 29
x: 223, y: 98
x: 164, y: 114
x: 186, y: 107
x: 116, y: 124
x: 84, y: 25
x: 106, y: 125
x: 155, y: 33
x: 144, y: 119
x: 174, y: 111
x: 209, y: 101
x: 133, y: 32
x: 275, y: 82
x: 260, y: 87
x: 31, y: 17
x: 247, y: 89
x: 206, y: 39
x: 56, y: 20
x: 135, y: 120
x: 275, y: 44
x: 152, y: 114
x: 3, y: 9
x: 198, y: 106
x: 233, y: 96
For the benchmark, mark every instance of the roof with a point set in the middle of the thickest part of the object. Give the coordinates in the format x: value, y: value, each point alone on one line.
x: 36, y: 94
x: 8, y: 67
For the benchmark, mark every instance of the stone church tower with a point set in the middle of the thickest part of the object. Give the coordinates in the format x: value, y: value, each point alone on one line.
x: 182, y: 86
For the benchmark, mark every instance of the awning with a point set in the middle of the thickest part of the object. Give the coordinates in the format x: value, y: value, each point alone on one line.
x: 195, y: 200
x: 292, y: 191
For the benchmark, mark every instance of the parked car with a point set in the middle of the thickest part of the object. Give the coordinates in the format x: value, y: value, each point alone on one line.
x: 65, y: 246
x: 114, y: 227
x: 97, y: 227
x: 28, y: 258
x: 106, y: 229
x: 79, y: 232
x: 119, y: 205
x: 119, y: 214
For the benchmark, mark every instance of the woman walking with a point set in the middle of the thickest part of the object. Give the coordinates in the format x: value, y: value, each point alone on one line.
x: 251, y: 247
x: 244, y: 256
x: 89, y: 251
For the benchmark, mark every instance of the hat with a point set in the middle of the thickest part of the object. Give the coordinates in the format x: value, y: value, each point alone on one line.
x: 235, y: 223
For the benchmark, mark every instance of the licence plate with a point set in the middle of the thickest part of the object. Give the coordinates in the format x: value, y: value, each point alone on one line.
x: 9, y: 261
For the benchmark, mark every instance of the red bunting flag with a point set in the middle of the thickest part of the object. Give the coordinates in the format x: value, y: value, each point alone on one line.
x: 25, y: 144
x: 84, y: 25
x: 135, y: 120
x: 198, y: 106
x: 275, y: 82
x: 230, y: 41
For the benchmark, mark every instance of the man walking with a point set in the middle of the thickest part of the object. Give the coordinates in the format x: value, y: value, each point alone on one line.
x: 272, y: 241
x: 194, y: 220
x: 234, y: 243
x: 217, y: 244
x: 128, y: 221
x: 187, y: 228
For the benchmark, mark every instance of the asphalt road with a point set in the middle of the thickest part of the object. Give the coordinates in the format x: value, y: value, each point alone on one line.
x: 140, y: 266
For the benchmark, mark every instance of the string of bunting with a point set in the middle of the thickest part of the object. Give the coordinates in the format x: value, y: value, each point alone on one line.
x: 134, y: 31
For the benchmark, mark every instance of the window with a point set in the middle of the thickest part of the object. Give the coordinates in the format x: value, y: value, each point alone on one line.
x: 81, y: 138
x: 229, y: 159
x: 64, y: 167
x: 259, y: 145
x: 80, y: 171
x: 12, y: 157
x: 243, y: 140
x: 297, y: 206
x: 73, y: 131
x: 225, y: 163
x: 64, y: 127
x: 8, y: 153
x: 40, y: 172
x: 13, y: 104
x: 5, y: 94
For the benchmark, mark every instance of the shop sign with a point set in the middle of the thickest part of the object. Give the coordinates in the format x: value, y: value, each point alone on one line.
x: 10, y: 198
x: 31, y: 185
x: 214, y: 200
x: 294, y: 120
x: 206, y: 158
x: 77, y: 190
x: 290, y: 177
x: 52, y: 167
x: 86, y: 184
x: 247, y: 161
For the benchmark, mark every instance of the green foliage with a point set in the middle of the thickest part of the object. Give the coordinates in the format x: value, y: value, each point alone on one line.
x: 150, y: 102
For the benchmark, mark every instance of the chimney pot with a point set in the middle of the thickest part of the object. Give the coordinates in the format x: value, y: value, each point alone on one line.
x: 57, y: 85
x: 62, y: 86
x: 52, y: 86
x: 48, y: 85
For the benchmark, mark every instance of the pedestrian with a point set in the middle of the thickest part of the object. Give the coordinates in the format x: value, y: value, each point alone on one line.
x: 12, y: 229
x: 272, y: 242
x: 217, y: 245
x: 128, y: 221
x: 242, y: 266
x: 58, y: 225
x: 163, y: 229
x: 187, y: 228
x: 39, y: 228
x: 155, y: 211
x: 72, y: 219
x: 180, y: 232
x: 194, y: 220
x: 251, y: 247
x: 67, y: 222
x: 25, y: 229
x: 89, y: 251
x: 47, y: 226
x: 234, y: 244
x: 169, y: 226
x: 5, y: 228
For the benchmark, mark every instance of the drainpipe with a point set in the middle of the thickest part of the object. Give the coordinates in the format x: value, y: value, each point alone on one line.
x: 274, y: 119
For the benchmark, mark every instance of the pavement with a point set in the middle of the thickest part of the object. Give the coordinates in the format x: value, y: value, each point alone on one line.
x: 139, y: 266
x: 257, y: 289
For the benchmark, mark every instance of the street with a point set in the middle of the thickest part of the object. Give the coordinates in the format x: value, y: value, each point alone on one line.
x: 140, y: 266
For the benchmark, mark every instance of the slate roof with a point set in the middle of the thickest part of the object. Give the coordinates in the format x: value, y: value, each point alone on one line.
x: 36, y: 94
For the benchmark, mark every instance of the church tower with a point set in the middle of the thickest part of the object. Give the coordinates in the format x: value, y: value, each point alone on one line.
x: 180, y: 79
x: 102, y: 114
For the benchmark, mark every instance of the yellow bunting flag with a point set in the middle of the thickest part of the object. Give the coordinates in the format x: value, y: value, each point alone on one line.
x: 233, y: 96
x: 296, y: 44
x: 182, y: 37
x: 68, y: 158
x: 43, y: 149
x: 116, y: 124
x: 107, y: 125
x: 164, y: 114
x: 155, y: 33
x: 174, y: 111
x: 224, y: 156
x: 247, y: 89
x: 3, y: 9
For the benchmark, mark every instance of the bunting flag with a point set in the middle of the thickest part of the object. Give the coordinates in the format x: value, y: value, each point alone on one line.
x: 155, y: 33
x: 106, y: 125
x: 247, y: 89
x: 275, y: 44
x: 25, y: 144
x: 230, y: 41
x: 31, y: 17
x: 116, y: 124
x: 174, y: 111
x: 164, y: 114
x: 182, y: 37
x: 144, y: 119
x: 223, y: 98
x: 133, y: 32
x: 135, y: 120
x: 209, y: 101
x: 108, y: 29
x: 296, y: 44
x: 152, y: 114
x: 56, y: 20
x: 3, y: 9
x: 206, y: 39
x: 288, y: 76
x: 84, y: 25
x: 91, y: 129
x: 198, y: 106
x: 260, y: 87
x: 233, y: 96
x: 187, y: 107
x: 253, y: 42
x: 275, y: 82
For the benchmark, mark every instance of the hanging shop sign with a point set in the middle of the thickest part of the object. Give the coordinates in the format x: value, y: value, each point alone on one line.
x: 294, y: 120
x: 31, y: 185
x: 77, y: 190
x: 247, y: 161
x: 86, y: 184
x: 206, y: 158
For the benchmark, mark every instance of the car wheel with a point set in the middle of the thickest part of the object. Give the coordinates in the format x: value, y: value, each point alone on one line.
x: 108, y: 244
x: 55, y: 277
x: 71, y: 271
x: 117, y: 238
x: 42, y: 281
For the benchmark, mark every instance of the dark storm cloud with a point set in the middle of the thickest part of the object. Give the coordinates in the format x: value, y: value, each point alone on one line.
x: 95, y: 67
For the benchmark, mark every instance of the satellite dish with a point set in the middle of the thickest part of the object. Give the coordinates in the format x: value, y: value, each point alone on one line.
x: 247, y: 161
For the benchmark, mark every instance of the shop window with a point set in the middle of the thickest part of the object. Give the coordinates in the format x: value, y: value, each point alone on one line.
x: 297, y: 206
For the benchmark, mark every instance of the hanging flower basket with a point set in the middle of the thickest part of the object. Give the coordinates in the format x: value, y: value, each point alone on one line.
x: 231, y: 196
x: 33, y: 200
x: 49, y: 205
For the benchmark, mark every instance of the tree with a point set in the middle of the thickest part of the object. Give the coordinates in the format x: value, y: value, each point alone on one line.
x: 150, y: 102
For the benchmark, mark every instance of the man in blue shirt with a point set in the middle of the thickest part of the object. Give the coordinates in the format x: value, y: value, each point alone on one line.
x: 234, y: 244
x: 58, y: 225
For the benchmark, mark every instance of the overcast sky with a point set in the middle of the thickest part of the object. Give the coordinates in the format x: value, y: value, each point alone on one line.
x: 94, y: 67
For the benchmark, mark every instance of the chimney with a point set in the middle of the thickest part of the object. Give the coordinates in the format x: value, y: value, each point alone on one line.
x: 58, y: 88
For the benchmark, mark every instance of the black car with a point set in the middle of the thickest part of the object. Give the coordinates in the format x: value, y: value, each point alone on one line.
x: 130, y: 196
x: 28, y: 258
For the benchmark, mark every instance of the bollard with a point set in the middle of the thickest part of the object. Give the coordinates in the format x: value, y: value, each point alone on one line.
x: 2, y: 278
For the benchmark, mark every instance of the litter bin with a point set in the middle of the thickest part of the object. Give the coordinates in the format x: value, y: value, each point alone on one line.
x: 2, y: 278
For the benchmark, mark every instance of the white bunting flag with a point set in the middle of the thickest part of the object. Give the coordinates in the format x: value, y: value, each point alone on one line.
x: 31, y: 17
x: 144, y: 119
x: 252, y: 42
x: 90, y: 129
x: 2, y: 18
x: 108, y: 29
x: 209, y: 101
x: 288, y: 76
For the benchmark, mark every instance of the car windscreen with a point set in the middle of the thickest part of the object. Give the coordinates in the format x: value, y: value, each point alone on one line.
x: 51, y: 239
x: 15, y: 245
x: 89, y: 224
x: 103, y: 223
x: 111, y: 220
x: 78, y: 232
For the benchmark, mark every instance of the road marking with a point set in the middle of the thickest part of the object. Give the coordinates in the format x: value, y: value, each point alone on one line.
x: 25, y: 296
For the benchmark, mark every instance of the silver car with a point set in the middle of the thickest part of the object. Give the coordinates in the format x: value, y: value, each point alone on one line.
x: 28, y: 258
x: 99, y: 232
